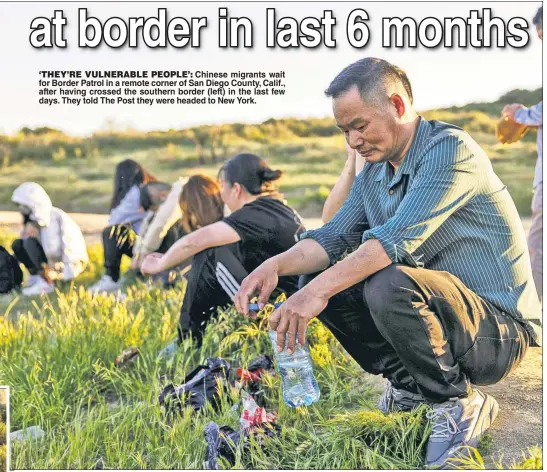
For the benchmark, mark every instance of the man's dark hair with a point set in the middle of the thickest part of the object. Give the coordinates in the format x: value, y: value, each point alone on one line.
x: 367, y: 74
x: 538, y: 18
x: 146, y: 200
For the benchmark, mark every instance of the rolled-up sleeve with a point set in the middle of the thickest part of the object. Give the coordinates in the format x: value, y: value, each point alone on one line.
x: 343, y: 233
x: 446, y: 181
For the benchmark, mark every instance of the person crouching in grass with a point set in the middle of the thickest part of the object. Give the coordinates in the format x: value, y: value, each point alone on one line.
x: 52, y: 246
x: 124, y: 222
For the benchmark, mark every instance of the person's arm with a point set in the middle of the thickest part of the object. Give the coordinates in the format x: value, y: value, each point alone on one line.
x: 128, y: 211
x: 532, y: 116
x: 73, y: 247
x: 217, y: 234
x: 315, y: 250
x: 167, y: 215
x: 340, y: 191
x: 138, y: 250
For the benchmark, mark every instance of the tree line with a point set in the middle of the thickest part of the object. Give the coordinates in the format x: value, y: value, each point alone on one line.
x: 213, y: 143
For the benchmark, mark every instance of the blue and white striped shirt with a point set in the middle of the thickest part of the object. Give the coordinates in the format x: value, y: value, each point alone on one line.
x: 533, y: 116
x: 444, y: 209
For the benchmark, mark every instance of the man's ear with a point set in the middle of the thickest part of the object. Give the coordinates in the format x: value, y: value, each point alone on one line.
x: 398, y: 103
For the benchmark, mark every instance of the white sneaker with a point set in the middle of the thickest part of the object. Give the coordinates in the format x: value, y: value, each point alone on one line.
x: 105, y: 285
x: 40, y: 287
x: 32, y: 280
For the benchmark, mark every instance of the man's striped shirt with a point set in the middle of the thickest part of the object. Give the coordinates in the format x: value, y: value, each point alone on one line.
x: 444, y: 209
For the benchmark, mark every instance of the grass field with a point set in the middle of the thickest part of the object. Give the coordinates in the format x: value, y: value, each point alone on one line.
x: 57, y: 353
x: 311, y: 166
x: 3, y: 430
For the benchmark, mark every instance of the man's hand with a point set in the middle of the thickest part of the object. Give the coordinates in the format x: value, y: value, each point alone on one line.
x: 152, y: 264
x: 510, y: 110
x: 352, y: 153
x: 263, y: 280
x: 293, y: 317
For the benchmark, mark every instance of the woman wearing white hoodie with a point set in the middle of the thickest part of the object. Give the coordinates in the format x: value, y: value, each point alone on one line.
x: 56, y: 250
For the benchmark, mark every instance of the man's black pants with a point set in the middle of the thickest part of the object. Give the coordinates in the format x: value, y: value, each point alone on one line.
x: 30, y: 253
x: 119, y: 241
x: 425, y: 331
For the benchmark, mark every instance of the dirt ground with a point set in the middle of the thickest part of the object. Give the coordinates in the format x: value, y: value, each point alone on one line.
x: 519, y: 424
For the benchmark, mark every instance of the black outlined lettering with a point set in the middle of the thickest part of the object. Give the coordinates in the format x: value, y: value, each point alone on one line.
x: 357, y: 30
x: 399, y: 26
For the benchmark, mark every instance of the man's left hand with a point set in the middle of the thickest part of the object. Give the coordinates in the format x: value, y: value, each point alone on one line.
x: 293, y: 316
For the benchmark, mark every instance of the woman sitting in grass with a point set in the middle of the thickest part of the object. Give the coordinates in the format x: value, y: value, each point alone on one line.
x: 189, y: 205
x: 261, y: 226
x: 51, y: 246
x: 126, y: 216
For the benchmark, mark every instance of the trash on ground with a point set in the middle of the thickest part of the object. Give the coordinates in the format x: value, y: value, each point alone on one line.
x: 200, y: 386
x: 253, y: 414
x: 127, y: 357
x: 251, y: 378
x: 222, y: 441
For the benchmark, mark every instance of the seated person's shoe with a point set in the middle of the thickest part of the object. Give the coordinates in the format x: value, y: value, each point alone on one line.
x: 397, y: 399
x: 105, y: 285
x: 456, y: 426
x: 39, y: 287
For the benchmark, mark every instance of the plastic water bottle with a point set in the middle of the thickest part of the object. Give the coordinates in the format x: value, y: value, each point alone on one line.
x: 299, y: 385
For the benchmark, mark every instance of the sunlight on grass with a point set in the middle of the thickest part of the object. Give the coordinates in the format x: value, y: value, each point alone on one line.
x: 58, y: 355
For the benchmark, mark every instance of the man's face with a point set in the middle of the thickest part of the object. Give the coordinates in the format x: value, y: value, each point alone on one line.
x: 539, y: 29
x: 369, y: 129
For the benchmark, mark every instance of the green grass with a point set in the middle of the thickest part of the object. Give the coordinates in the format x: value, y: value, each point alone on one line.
x: 311, y: 165
x: 57, y: 353
x: 3, y: 435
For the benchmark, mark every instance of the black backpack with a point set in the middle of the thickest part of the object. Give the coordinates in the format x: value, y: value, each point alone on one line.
x: 11, y: 276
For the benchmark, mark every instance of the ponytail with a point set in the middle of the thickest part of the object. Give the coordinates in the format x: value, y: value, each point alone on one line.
x: 253, y: 173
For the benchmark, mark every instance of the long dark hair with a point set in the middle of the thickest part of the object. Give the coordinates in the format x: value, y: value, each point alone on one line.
x: 253, y: 173
x: 200, y: 203
x: 128, y: 173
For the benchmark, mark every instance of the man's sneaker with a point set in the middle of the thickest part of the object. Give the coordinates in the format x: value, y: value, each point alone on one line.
x: 39, y: 287
x: 396, y: 399
x: 456, y: 426
x: 105, y: 285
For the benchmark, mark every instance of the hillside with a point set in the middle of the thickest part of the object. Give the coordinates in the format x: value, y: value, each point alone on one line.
x: 78, y: 171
